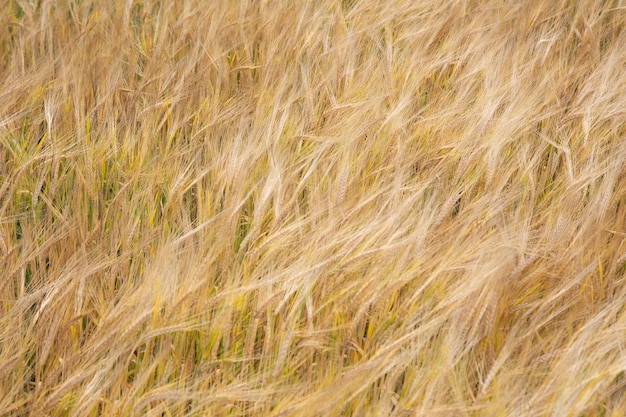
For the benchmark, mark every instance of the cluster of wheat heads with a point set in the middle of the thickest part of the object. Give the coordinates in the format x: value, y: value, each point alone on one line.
x: 312, y: 208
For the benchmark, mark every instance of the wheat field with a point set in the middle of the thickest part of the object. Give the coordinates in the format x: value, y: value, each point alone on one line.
x: 312, y: 208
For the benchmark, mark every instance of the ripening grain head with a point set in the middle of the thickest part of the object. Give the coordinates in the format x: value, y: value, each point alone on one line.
x: 310, y: 208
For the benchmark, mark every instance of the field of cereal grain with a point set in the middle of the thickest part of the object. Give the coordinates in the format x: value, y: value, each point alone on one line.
x: 312, y: 208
